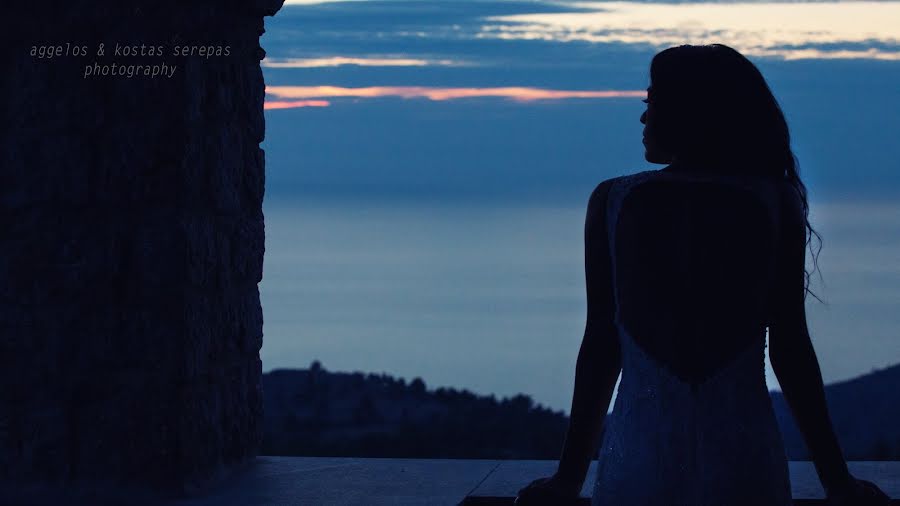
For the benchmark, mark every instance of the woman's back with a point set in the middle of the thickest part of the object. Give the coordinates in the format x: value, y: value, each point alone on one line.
x: 693, y: 266
x: 685, y: 268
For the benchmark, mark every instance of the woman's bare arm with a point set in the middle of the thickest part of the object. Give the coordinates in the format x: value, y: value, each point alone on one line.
x: 793, y: 358
x: 599, y: 358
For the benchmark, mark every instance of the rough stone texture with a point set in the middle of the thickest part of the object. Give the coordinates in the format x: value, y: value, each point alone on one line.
x: 131, y: 246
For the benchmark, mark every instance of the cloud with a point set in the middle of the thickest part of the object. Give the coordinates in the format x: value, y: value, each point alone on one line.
x: 795, y: 30
x: 292, y: 104
x: 515, y: 93
x: 367, y: 61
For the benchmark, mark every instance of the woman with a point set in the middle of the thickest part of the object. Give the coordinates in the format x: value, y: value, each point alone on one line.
x: 686, y: 269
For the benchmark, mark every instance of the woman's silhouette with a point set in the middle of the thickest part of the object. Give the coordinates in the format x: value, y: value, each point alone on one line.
x: 686, y: 268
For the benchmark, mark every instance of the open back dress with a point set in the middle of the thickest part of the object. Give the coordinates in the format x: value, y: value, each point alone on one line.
x: 693, y: 269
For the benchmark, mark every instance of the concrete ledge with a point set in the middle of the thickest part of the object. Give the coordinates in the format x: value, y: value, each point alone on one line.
x: 500, y: 487
x: 350, y: 481
x: 356, y: 481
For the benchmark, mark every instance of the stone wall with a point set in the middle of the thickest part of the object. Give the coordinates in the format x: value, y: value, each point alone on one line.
x: 131, y: 246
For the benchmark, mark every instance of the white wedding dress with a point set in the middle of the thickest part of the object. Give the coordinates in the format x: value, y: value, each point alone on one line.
x: 692, y: 259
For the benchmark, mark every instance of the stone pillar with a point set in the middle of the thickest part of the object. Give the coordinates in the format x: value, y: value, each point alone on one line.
x: 131, y: 245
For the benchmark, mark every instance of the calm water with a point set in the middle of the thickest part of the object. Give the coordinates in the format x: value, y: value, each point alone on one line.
x: 492, y: 298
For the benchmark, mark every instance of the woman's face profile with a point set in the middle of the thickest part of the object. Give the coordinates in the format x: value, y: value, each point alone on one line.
x: 653, y: 150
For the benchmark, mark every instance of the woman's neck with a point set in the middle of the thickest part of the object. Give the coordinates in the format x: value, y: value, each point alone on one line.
x: 692, y: 166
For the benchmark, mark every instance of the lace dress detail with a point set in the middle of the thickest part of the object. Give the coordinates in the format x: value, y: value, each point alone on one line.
x: 686, y: 430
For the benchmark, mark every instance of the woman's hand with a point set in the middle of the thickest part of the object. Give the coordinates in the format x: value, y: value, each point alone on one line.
x: 554, y: 490
x: 860, y: 493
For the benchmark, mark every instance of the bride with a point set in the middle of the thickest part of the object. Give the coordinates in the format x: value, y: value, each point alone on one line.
x: 687, y: 268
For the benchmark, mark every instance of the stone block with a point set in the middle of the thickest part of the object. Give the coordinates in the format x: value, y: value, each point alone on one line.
x: 133, y: 240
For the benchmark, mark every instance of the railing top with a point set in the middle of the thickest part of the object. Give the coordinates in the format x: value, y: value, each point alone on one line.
x: 349, y: 481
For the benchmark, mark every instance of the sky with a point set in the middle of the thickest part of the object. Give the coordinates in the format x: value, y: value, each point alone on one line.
x: 471, y: 104
x: 542, y: 99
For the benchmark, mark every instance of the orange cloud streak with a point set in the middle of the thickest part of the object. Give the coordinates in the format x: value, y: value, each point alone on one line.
x: 291, y: 104
x: 335, y: 61
x: 517, y: 93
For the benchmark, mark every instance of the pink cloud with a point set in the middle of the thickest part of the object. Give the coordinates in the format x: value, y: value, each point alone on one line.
x: 291, y: 104
x: 335, y: 61
x: 516, y: 93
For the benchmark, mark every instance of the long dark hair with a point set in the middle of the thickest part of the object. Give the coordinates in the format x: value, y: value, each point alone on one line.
x: 715, y: 107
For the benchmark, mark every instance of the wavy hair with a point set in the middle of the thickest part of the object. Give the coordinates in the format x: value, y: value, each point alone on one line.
x: 715, y: 107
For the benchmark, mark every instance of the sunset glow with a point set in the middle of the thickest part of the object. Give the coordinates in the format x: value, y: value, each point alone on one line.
x: 515, y: 93
x: 293, y: 104
x: 783, y: 30
x: 335, y: 61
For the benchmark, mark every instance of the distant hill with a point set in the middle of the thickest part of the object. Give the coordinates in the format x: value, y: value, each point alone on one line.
x: 315, y: 412
x: 865, y: 412
x: 319, y: 413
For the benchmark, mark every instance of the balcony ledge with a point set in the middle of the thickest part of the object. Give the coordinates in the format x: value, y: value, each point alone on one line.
x: 325, y: 481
